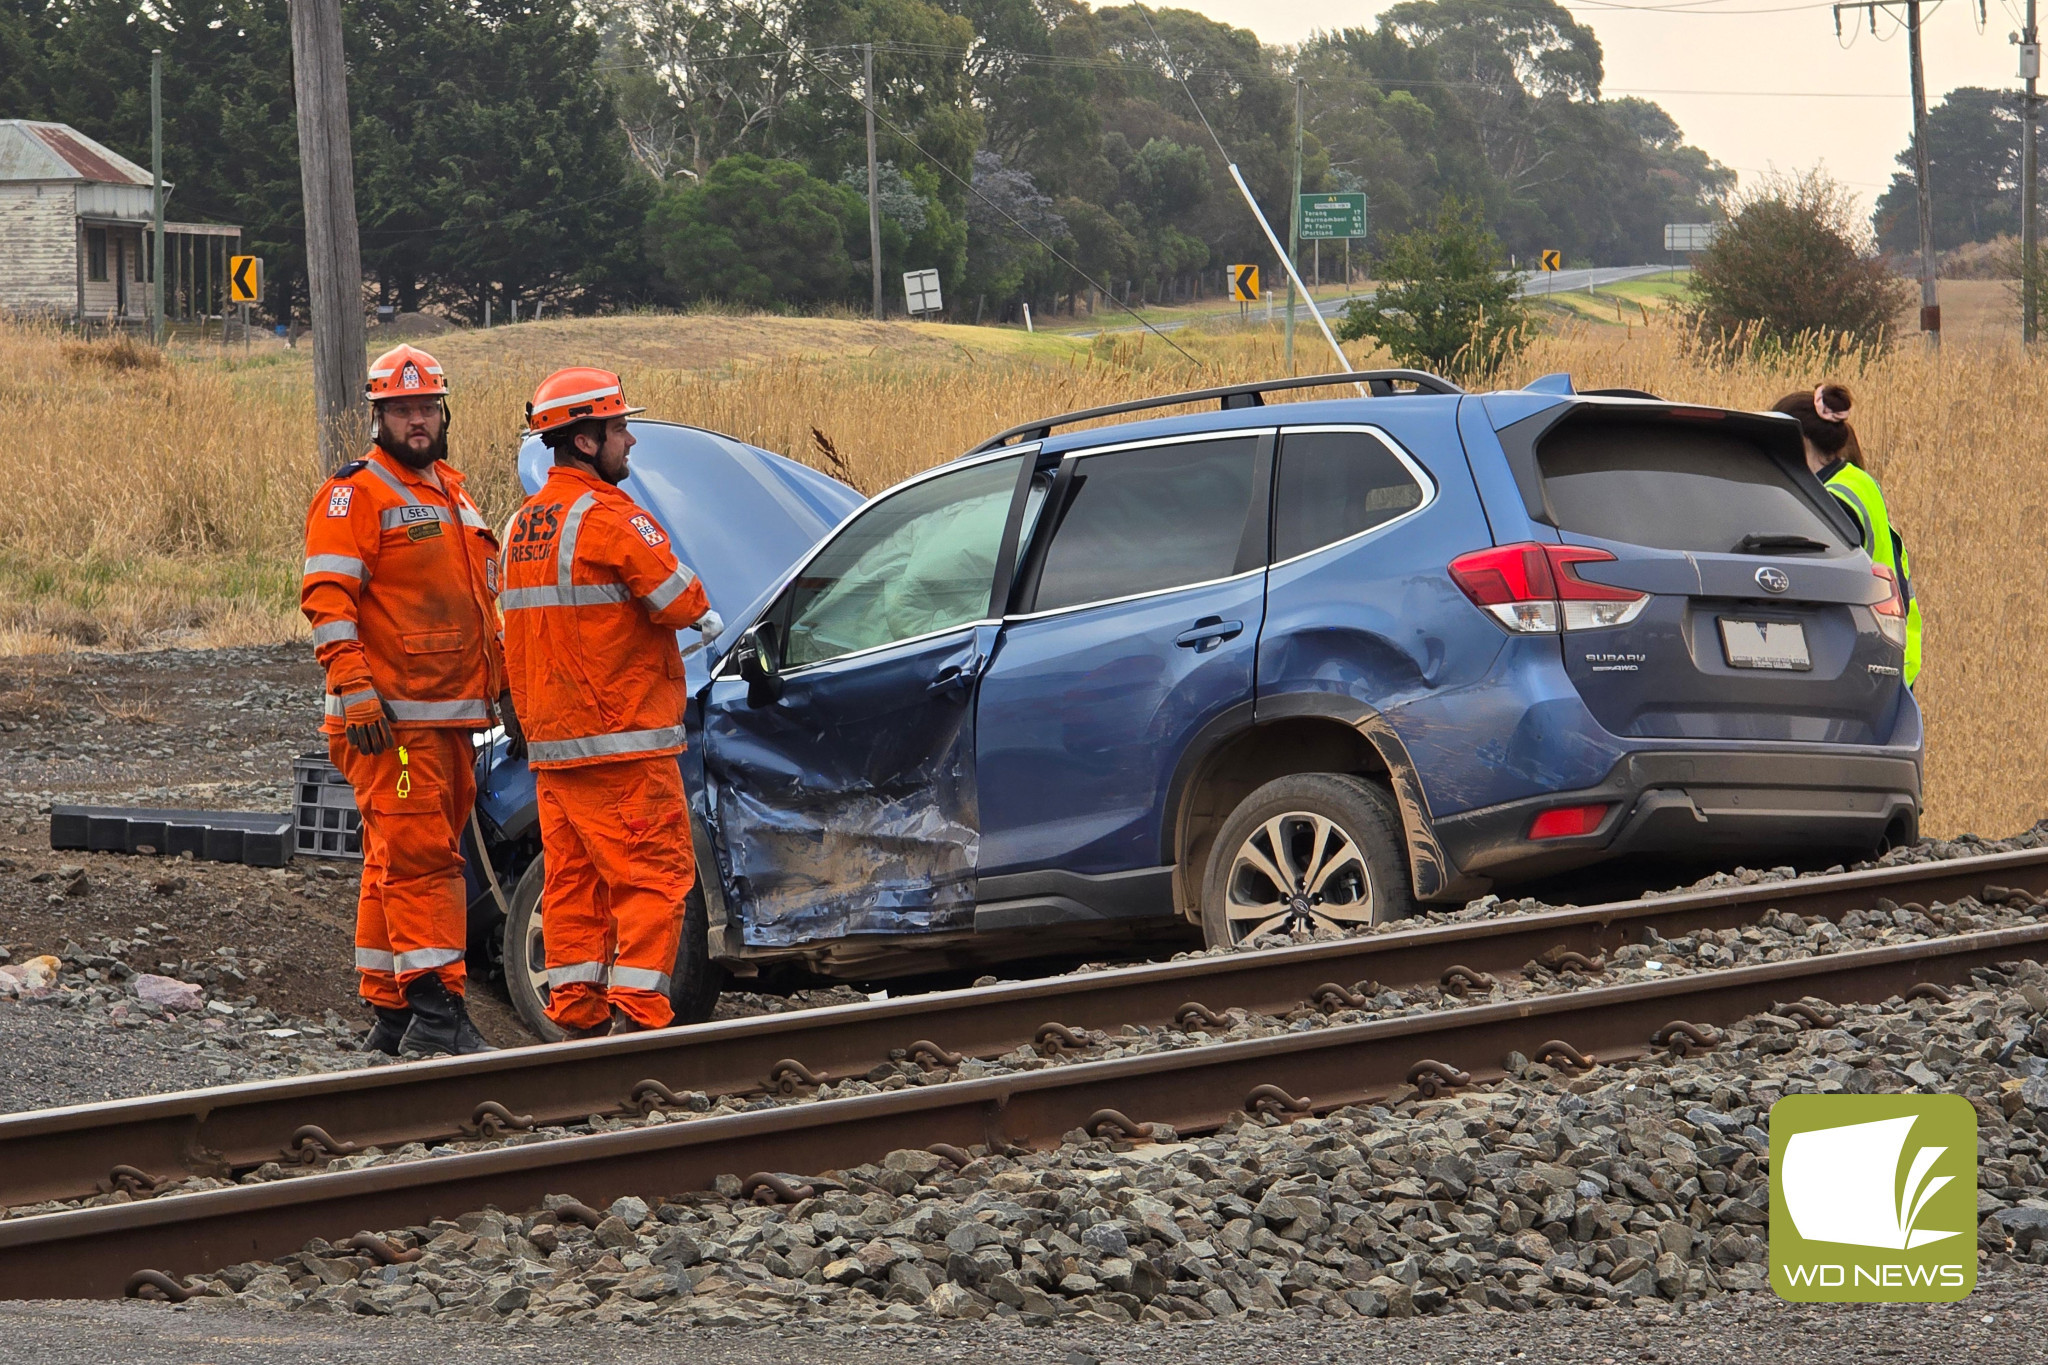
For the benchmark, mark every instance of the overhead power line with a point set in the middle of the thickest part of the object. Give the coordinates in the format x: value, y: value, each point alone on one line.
x: 967, y: 184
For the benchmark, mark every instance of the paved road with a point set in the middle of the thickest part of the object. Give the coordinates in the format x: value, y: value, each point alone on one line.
x: 1535, y: 286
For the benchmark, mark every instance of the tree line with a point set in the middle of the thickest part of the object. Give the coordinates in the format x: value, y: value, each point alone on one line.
x: 654, y: 152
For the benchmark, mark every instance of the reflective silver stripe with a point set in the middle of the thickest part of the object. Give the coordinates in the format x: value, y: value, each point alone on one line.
x: 575, y: 971
x: 672, y: 587
x: 338, y: 706
x: 469, y: 708
x: 472, y: 517
x: 413, y: 514
x: 572, y: 526
x: 345, y: 565
x: 564, y: 402
x: 420, y: 959
x: 334, y: 630
x: 639, y: 978
x: 583, y: 595
x: 604, y: 746
x: 373, y: 959
x: 396, y: 484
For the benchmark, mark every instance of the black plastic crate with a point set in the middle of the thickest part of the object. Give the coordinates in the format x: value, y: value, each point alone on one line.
x: 326, y: 823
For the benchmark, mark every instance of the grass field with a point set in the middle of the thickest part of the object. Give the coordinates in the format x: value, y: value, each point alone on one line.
x: 160, y: 502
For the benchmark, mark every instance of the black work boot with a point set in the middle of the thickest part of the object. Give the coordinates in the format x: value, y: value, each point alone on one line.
x: 440, y: 1021
x: 389, y: 1029
x: 623, y: 1022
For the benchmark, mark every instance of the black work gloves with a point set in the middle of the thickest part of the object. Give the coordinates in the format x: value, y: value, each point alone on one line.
x: 515, y: 737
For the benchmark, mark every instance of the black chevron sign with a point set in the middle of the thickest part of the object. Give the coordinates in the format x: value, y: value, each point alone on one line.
x: 245, y: 279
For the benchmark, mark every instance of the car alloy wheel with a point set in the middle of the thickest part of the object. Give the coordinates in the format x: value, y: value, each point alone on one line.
x: 1296, y: 873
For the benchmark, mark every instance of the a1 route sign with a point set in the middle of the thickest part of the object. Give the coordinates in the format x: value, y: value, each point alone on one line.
x: 1324, y: 216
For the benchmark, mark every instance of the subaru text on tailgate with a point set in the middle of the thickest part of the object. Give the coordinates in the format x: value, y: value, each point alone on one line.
x: 1261, y: 669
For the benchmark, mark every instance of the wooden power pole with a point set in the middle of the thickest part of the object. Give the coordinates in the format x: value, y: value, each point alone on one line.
x: 867, y: 99
x: 1930, y: 305
x: 334, y: 260
x: 2030, y: 162
x: 158, y: 332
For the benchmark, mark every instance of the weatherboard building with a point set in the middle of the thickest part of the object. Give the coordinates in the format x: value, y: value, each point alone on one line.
x: 75, y: 230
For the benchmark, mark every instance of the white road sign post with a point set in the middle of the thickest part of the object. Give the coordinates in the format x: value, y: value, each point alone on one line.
x: 1689, y: 237
x: 921, y: 292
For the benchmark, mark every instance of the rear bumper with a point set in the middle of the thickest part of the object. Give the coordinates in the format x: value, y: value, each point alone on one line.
x: 1700, y: 802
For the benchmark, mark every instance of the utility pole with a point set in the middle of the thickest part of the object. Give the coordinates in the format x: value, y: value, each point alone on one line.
x: 334, y: 260
x: 1930, y: 305
x: 2030, y: 161
x: 157, y: 331
x: 1294, y: 226
x: 867, y: 98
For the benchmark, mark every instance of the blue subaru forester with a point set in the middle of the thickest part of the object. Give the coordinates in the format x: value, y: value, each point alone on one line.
x: 1254, y: 669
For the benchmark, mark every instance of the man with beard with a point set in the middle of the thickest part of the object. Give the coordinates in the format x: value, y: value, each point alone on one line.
x: 593, y: 598
x: 401, y: 582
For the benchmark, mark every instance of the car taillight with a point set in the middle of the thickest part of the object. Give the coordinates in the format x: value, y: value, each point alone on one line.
x: 1891, y: 613
x: 1534, y: 589
x: 1568, y: 821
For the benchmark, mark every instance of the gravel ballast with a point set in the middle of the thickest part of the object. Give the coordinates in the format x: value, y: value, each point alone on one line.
x: 1629, y: 1185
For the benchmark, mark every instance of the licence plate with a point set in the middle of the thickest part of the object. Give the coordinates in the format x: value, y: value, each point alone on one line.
x: 1779, y: 645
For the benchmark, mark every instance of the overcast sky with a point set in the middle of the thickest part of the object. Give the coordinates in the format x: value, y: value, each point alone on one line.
x: 1749, y: 61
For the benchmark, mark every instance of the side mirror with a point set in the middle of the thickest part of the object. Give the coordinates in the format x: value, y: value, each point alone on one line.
x: 758, y: 650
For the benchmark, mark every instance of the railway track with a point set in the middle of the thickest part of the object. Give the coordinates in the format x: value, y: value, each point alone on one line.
x: 71, y: 1153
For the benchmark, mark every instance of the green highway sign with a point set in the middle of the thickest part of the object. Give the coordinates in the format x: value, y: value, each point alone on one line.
x: 1332, y: 215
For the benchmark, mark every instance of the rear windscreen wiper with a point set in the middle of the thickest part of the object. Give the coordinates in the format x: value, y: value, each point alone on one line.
x: 1778, y: 545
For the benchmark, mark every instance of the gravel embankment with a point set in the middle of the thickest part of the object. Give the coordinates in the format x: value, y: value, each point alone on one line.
x: 233, y: 1042
x: 1635, y: 1184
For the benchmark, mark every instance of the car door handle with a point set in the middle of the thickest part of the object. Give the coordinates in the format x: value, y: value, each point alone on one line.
x: 954, y: 676
x: 1207, y: 633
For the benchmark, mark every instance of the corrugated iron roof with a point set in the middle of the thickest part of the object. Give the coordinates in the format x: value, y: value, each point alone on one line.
x: 30, y: 150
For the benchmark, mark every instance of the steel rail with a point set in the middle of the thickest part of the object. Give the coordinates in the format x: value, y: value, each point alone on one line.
x: 98, y: 1252
x: 75, y: 1152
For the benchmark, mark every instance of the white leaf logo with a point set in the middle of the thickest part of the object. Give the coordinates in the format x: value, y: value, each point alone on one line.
x: 1842, y: 1185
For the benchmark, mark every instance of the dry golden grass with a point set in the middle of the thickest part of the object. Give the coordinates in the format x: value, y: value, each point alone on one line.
x: 164, y: 503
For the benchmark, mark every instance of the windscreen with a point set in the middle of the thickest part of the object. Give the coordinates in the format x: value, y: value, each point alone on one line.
x: 1675, y: 487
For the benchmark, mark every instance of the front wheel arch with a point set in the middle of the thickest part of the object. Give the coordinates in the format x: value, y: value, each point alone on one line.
x: 695, y: 980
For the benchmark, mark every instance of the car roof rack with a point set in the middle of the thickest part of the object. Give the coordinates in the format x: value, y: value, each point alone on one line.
x: 1380, y: 383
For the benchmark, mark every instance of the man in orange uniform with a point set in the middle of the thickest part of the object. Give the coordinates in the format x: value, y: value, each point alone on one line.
x: 400, y: 581
x: 592, y: 598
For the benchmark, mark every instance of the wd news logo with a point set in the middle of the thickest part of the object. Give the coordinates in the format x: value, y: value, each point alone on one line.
x: 1873, y: 1198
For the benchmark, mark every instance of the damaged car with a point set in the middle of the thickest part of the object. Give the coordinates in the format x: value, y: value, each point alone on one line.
x: 1213, y: 669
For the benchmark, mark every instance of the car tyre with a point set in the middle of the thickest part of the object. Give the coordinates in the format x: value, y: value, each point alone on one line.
x: 1340, y: 853
x: 694, y: 982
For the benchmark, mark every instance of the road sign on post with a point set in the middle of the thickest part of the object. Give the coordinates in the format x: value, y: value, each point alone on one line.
x: 1244, y: 283
x: 1690, y: 236
x: 245, y: 279
x: 1327, y: 216
x: 1552, y: 260
x: 921, y: 291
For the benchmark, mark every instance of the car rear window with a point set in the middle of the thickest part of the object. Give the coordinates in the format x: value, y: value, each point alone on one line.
x: 1673, y: 487
x: 1333, y: 485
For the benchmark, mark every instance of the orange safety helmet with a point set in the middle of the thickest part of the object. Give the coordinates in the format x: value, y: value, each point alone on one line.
x: 579, y: 393
x: 405, y: 372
